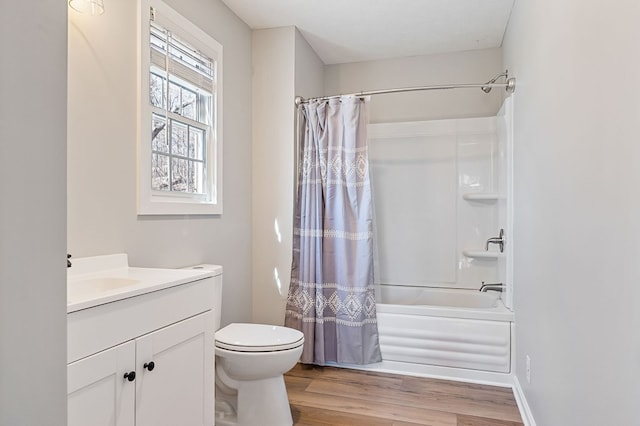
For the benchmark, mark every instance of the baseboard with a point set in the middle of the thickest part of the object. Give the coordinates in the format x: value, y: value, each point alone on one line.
x: 523, y: 406
x: 435, y: 372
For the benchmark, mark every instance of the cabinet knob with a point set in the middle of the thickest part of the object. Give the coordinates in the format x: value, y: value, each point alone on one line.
x: 150, y: 365
x: 130, y: 376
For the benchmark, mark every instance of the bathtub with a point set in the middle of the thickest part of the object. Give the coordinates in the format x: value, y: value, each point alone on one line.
x: 449, y: 333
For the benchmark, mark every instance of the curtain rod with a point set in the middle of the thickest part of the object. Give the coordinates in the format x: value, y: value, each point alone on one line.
x: 509, y: 86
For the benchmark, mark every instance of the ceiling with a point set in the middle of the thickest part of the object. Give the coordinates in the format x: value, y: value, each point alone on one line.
x: 360, y: 30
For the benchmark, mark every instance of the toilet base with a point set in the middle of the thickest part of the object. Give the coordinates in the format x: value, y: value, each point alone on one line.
x: 250, y: 389
x: 260, y: 402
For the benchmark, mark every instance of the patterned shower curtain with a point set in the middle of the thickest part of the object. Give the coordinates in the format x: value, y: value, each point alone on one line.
x: 331, y: 296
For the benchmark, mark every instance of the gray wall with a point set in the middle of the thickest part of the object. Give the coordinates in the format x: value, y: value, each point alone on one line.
x: 272, y: 103
x: 102, y: 152
x: 33, y: 333
x: 309, y: 69
x: 284, y: 65
x: 475, y: 66
x: 577, y: 210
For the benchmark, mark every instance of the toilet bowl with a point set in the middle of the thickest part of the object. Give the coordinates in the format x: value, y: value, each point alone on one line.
x: 250, y: 362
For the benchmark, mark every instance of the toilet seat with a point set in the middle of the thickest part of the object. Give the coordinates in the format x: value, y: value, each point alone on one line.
x: 240, y: 337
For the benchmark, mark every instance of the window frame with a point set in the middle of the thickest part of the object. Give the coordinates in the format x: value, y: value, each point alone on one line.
x: 162, y: 202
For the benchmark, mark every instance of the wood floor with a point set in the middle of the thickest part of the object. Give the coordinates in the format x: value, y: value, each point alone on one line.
x: 336, y: 396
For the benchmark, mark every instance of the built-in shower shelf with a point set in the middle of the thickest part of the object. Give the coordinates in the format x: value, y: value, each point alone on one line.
x: 482, y: 254
x: 482, y: 196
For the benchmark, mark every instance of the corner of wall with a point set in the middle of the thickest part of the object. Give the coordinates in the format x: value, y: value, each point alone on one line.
x: 523, y: 405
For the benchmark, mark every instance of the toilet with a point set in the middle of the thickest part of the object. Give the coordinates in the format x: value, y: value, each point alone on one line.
x: 250, y: 362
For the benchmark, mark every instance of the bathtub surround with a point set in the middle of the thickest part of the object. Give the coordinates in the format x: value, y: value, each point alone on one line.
x: 331, y: 296
x: 439, y: 194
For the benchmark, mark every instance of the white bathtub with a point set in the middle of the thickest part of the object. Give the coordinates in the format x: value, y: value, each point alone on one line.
x: 454, y: 329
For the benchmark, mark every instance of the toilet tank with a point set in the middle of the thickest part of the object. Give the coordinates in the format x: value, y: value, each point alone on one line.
x: 217, y: 279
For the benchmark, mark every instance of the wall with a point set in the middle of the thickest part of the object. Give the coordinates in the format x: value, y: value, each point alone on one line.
x: 284, y: 65
x: 462, y: 67
x: 33, y: 214
x: 273, y: 130
x: 576, y: 290
x: 102, y: 152
x: 309, y: 70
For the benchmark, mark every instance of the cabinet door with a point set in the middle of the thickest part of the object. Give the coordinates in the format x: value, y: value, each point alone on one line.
x: 97, y: 392
x: 179, y: 388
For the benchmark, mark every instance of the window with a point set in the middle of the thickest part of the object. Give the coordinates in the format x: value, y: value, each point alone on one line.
x: 179, y: 143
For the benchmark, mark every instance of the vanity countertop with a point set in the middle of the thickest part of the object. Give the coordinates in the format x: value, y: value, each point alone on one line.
x: 93, y: 281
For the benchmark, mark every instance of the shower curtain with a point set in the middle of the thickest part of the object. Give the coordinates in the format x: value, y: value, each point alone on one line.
x: 331, y: 296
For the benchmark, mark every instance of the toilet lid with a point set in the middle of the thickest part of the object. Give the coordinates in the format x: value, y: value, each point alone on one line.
x: 258, y: 338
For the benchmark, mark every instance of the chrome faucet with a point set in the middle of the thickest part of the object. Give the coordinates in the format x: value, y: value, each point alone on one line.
x: 491, y: 287
x: 496, y: 240
x: 68, y: 261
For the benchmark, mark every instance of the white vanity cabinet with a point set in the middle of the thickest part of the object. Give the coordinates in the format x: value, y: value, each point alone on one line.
x: 145, y: 360
x: 96, y: 391
x: 157, y: 379
x: 174, y: 392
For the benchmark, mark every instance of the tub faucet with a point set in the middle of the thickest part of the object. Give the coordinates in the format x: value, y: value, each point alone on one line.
x: 491, y: 287
x: 496, y: 240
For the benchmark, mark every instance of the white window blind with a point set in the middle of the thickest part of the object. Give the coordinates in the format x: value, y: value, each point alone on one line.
x: 169, y: 53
